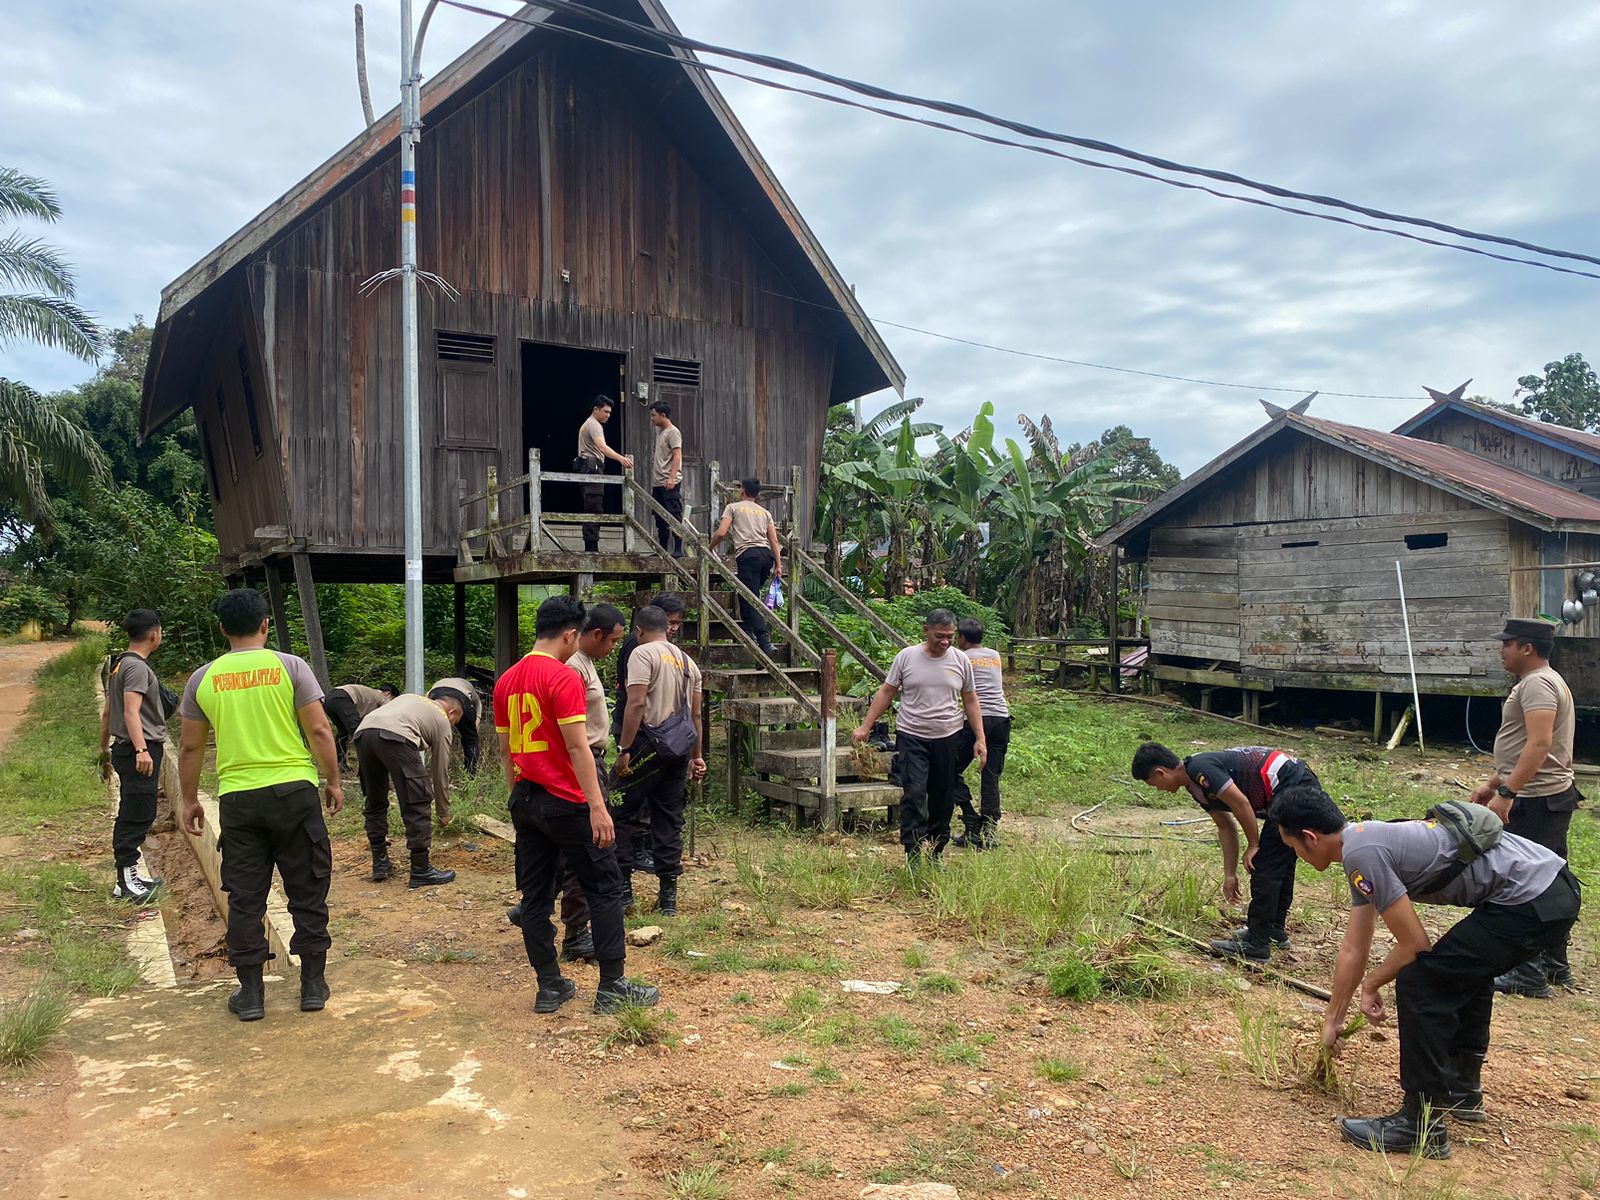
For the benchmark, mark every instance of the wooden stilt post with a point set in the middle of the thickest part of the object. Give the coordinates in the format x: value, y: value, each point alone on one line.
x: 460, y: 613
x: 307, y: 588
x: 1377, y: 716
x: 280, y: 614
x: 1112, y: 606
x: 797, y: 541
x: 714, y: 480
x: 535, y: 501
x: 828, y: 767
x: 702, y: 583
x: 506, y: 648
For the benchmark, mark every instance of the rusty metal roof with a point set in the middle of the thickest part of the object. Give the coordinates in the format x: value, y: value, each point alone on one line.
x: 1525, y: 498
x: 1466, y: 471
x: 1579, y: 440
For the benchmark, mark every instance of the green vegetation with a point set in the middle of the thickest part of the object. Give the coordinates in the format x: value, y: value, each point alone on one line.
x: 939, y: 983
x: 1057, y: 1070
x: 48, y: 772
x: 698, y: 1183
x: 27, y: 1026
x: 636, y: 1025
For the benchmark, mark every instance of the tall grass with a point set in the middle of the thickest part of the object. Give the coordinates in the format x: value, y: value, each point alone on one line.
x: 28, y: 1024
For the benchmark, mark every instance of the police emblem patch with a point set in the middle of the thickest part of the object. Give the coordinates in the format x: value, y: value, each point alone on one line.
x: 1359, y: 882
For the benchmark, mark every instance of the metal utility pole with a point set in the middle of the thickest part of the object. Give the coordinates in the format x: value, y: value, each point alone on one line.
x: 411, y: 435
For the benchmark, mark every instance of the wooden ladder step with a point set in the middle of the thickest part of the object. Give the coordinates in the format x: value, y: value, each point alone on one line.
x: 852, y: 797
x: 781, y: 710
x: 738, y: 682
x: 806, y: 763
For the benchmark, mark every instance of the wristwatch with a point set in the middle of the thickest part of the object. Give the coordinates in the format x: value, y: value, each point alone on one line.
x: 1503, y: 790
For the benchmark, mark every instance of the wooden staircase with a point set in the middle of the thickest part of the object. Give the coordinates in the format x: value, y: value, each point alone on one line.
x: 786, y: 731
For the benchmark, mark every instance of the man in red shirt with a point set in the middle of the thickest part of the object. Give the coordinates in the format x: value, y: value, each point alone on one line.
x: 540, y: 714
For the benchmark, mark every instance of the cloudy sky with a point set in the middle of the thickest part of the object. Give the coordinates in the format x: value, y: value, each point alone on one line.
x: 167, y: 124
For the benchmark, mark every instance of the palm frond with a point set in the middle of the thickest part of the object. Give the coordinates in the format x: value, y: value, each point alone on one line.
x: 67, y: 449
x: 27, y: 196
x: 877, y: 426
x: 51, y: 321
x: 34, y: 264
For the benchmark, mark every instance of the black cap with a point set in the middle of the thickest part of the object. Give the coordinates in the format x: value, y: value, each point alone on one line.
x: 1527, y: 629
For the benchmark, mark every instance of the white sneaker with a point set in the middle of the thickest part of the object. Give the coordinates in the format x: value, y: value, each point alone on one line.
x: 131, y: 887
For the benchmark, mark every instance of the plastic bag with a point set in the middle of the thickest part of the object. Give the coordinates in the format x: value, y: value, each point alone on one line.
x: 775, y: 593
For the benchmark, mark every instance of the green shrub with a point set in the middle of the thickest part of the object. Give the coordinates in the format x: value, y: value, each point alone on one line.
x: 1072, y: 978
x: 23, y: 602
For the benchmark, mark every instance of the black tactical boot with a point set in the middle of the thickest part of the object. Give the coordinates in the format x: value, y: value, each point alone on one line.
x: 1557, y: 970
x: 1247, y: 947
x: 610, y: 996
x: 1279, y: 937
x: 644, y: 855
x: 629, y: 903
x: 578, y: 947
x: 961, y: 841
x: 1403, y: 1132
x: 667, y: 899
x: 554, y: 994
x: 1464, y: 1101
x: 1525, y: 979
x: 382, y: 867
x: 314, y: 989
x: 249, y: 1000
x: 424, y: 874
x: 514, y: 914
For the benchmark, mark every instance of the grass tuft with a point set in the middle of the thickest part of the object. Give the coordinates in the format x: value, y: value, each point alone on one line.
x: 1057, y: 1070
x: 698, y: 1183
x: 939, y: 983
x: 27, y: 1026
x: 636, y: 1025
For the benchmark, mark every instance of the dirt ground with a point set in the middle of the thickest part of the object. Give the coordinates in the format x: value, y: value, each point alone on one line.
x: 778, y: 1082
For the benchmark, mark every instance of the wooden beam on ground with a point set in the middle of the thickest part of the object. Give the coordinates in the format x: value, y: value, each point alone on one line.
x: 1310, y: 989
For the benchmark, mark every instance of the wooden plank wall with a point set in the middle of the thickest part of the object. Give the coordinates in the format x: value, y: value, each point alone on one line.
x: 1528, y: 455
x: 1193, y: 598
x: 1332, y: 606
x: 1533, y: 547
x: 256, y: 498
x: 555, y: 167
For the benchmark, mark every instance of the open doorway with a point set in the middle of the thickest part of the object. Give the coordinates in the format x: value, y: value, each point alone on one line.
x: 559, y: 384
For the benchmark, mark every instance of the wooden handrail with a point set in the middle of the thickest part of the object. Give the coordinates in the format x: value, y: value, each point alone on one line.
x: 860, y: 606
x: 828, y: 627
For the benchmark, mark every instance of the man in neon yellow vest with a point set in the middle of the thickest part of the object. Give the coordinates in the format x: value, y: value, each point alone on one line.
x: 272, y: 737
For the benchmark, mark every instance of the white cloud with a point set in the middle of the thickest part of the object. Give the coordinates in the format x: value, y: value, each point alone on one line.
x: 166, y: 125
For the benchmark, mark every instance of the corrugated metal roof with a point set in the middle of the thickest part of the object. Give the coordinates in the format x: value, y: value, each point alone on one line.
x: 1581, y: 440
x: 1527, y: 492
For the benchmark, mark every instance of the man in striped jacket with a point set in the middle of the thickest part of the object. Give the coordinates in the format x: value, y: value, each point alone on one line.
x: 1238, y: 785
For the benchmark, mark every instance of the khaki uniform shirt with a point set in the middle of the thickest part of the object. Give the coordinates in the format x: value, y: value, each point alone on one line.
x: 664, y: 668
x: 1535, y: 692
x: 590, y: 434
x: 598, y: 723
x: 417, y: 720
x: 366, y: 699
x: 748, y: 527
x: 668, y: 440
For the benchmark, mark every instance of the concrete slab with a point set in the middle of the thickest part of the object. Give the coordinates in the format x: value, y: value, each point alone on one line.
x: 392, y: 1091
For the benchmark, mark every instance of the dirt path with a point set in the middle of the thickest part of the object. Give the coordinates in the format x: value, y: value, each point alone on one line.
x: 18, y: 665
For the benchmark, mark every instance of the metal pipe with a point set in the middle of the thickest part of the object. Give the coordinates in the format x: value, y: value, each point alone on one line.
x: 411, y: 419
x: 1405, y: 619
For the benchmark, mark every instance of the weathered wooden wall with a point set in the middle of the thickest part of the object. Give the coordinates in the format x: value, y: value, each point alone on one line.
x: 1284, y: 569
x: 563, y: 212
x: 1193, y: 599
x: 242, y: 463
x: 1321, y: 598
x: 1518, y: 451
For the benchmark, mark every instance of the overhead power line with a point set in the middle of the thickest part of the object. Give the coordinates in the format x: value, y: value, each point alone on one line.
x: 1055, y: 358
x: 960, y: 110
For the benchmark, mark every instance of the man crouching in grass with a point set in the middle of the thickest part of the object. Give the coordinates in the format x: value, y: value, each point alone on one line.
x: 1524, y: 901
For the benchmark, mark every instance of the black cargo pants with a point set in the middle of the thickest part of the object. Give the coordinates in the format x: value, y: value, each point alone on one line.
x: 279, y: 826
x: 136, y: 807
